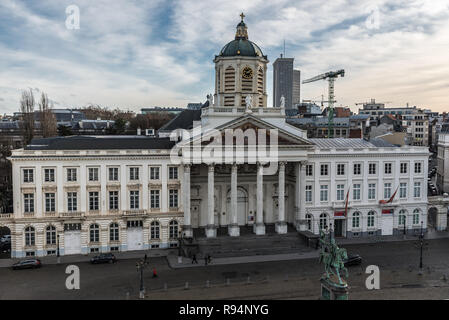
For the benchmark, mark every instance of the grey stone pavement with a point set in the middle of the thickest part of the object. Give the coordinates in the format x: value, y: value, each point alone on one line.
x: 172, y: 254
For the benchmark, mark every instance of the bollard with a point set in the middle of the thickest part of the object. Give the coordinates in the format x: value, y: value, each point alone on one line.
x: 207, y: 284
x: 165, y: 286
x: 228, y: 282
x: 248, y: 280
x: 186, y: 287
x: 444, y: 277
x: 127, y: 295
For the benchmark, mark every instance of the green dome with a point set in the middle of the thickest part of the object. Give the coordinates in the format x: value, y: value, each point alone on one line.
x: 241, y: 47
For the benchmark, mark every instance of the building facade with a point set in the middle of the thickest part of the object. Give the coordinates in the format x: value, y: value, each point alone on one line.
x: 239, y: 165
x: 286, y: 82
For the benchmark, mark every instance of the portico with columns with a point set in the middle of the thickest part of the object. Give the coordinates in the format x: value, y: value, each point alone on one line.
x: 251, y: 194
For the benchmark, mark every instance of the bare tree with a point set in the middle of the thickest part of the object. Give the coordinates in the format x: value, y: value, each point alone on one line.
x: 27, y: 110
x: 47, y: 118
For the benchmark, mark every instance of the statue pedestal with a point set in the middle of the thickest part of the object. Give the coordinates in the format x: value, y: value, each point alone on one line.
x: 332, y: 290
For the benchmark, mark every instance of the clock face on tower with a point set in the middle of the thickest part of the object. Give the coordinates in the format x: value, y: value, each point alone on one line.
x: 247, y: 73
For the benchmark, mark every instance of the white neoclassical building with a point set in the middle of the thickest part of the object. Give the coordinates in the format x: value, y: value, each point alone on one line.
x: 233, y: 165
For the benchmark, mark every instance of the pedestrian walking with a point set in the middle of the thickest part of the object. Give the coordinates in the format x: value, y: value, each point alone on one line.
x: 154, y: 273
x: 209, y: 258
x: 205, y: 260
x: 145, y: 258
x: 194, y: 259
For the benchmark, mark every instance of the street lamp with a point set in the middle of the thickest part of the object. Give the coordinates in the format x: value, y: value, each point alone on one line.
x: 421, y: 238
x: 57, y: 250
x: 140, y: 265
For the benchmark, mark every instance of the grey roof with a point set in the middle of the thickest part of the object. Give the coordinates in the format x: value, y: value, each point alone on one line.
x: 345, y: 143
x: 318, y: 121
x: 100, y: 143
x: 183, y: 120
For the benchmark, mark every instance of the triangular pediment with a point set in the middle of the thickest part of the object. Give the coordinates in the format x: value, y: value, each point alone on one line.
x: 250, y: 122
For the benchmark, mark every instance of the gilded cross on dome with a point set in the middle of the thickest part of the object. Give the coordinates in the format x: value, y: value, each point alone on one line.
x: 242, y: 16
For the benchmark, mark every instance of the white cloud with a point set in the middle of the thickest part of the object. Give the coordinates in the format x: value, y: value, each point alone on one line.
x: 141, y: 53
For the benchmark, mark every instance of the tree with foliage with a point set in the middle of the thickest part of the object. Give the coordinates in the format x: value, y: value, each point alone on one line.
x: 64, y: 131
x: 150, y: 120
x: 27, y: 114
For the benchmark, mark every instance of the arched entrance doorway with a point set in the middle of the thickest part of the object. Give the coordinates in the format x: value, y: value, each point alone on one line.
x: 242, y: 207
x: 5, y: 243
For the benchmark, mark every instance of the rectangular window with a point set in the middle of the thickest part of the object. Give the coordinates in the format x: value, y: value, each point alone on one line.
x: 28, y: 201
x: 154, y: 173
x: 155, y: 199
x: 50, y: 202
x: 356, y: 191
x: 309, y: 170
x: 93, y: 174
x: 372, y: 168
x: 71, y: 175
x: 371, y: 191
x: 418, y: 167
x: 72, y: 203
x: 28, y: 175
x: 173, y: 173
x: 324, y: 169
x: 49, y: 175
x: 388, y: 168
x: 134, y: 200
x: 173, y: 198
x: 308, y: 193
x: 340, y: 169
x: 323, y: 193
x: 417, y: 190
x: 134, y: 173
x: 113, y: 200
x: 403, y: 190
x: 93, y: 201
x: 403, y: 167
x: 387, y: 190
x: 340, y: 192
x: 113, y: 174
x: 357, y: 169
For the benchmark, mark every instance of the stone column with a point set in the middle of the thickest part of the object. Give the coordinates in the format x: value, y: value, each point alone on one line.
x: 211, y: 232
x: 297, y: 194
x: 187, y: 228
x: 281, y: 225
x: 302, y: 198
x: 233, y: 229
x: 259, y: 227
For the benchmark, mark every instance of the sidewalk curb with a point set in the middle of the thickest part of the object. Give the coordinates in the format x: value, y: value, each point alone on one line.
x: 7, y: 263
x: 173, y: 260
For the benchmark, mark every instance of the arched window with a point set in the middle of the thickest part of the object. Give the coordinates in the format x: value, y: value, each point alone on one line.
x: 30, y: 237
x: 402, y: 217
x: 229, y: 81
x: 173, y: 229
x: 371, y: 219
x: 94, y: 233
x: 51, y: 234
x: 114, y: 232
x: 260, y: 86
x: 309, y: 221
x: 323, y: 221
x: 356, y: 220
x: 155, y: 230
x: 416, y: 215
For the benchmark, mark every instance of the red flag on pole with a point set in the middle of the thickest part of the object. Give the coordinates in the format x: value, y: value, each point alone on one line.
x: 391, y: 198
x: 347, y: 201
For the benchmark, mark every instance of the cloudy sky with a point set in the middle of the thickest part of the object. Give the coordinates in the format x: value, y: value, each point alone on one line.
x: 139, y: 53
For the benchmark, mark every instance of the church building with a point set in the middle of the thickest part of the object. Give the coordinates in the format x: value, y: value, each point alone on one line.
x: 234, y: 166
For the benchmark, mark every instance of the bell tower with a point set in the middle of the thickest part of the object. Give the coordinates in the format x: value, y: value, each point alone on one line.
x: 240, y: 70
